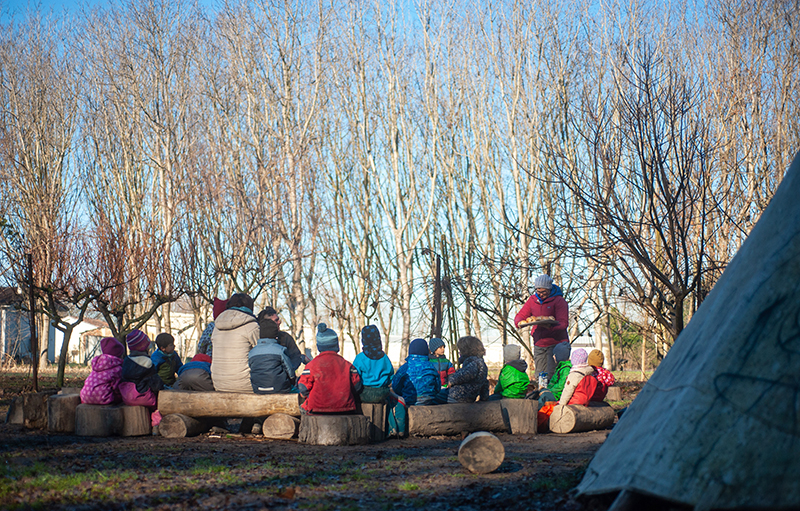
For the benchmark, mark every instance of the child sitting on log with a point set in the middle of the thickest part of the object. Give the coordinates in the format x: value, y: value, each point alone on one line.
x: 604, y: 377
x: 329, y: 383
x: 373, y: 366
x: 417, y: 380
x: 439, y: 361
x: 513, y: 381
x: 165, y: 359
x: 581, y: 384
x: 140, y: 380
x: 563, y: 367
x: 270, y: 368
x: 469, y: 382
x: 102, y: 385
x: 196, y: 375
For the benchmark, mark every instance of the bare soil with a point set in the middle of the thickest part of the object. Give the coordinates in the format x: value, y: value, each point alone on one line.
x: 232, y: 471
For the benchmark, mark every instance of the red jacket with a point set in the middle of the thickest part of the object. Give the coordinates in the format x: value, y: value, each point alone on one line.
x: 554, y: 305
x: 330, y: 384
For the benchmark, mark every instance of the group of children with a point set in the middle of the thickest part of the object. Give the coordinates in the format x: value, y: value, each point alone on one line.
x: 331, y: 384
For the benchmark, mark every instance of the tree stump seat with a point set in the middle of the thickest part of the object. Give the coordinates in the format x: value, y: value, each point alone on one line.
x: 515, y: 416
x: 61, y: 410
x: 111, y: 420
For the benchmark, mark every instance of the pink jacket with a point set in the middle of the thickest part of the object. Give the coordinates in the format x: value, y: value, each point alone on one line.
x: 102, y: 385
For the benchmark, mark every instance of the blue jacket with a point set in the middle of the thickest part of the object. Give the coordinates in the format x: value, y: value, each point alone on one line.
x: 374, y: 373
x: 417, y: 380
x: 270, y: 368
x: 166, y: 365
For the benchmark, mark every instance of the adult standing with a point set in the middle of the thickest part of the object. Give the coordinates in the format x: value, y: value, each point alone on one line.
x: 235, y: 334
x: 547, y: 300
x: 284, y: 338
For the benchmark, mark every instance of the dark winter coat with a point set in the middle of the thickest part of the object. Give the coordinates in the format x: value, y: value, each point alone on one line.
x: 469, y: 382
x: 270, y: 368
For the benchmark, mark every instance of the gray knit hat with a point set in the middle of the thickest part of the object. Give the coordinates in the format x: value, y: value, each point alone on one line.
x: 511, y: 352
x: 435, y: 343
x: 327, y: 340
x: 543, y: 282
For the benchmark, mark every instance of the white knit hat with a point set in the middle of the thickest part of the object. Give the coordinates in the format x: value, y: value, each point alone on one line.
x: 543, y: 282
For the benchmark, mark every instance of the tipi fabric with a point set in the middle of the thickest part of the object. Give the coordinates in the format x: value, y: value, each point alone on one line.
x: 718, y: 424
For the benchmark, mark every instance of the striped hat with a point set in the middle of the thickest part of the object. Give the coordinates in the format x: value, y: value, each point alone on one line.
x: 137, y: 341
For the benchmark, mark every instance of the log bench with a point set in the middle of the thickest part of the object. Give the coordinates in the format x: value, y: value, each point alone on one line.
x: 515, y: 416
x: 61, y: 410
x: 577, y: 418
x: 226, y: 404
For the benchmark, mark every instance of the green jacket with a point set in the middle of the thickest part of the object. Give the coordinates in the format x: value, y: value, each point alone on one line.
x: 559, y: 378
x: 513, y: 382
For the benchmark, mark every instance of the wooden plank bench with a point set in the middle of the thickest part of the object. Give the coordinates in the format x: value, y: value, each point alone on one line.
x: 515, y: 416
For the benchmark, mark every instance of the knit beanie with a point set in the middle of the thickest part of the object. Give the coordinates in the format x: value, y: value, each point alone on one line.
x: 219, y: 306
x: 267, y: 329
x: 435, y: 343
x: 511, y: 352
x: 596, y: 358
x: 579, y: 358
x: 418, y: 347
x: 137, y: 341
x: 327, y: 340
x: 163, y: 340
x: 561, y: 352
x: 111, y: 346
x: 543, y: 282
x: 201, y: 357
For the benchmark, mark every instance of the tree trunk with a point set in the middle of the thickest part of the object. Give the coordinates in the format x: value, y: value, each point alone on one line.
x: 177, y: 425
x: 516, y: 416
x: 226, y: 404
x: 334, y: 430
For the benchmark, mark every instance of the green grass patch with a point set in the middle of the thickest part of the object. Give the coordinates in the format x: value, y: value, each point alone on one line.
x: 408, y: 487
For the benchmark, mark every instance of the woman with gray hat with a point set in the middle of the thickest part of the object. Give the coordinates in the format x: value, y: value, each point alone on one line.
x: 547, y: 300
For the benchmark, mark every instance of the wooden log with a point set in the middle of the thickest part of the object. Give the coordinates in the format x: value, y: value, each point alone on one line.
x: 334, y: 430
x: 61, y: 413
x: 69, y: 390
x: 177, y: 425
x: 520, y: 415
x: 135, y: 421
x: 577, y: 418
x: 15, y: 413
x: 517, y: 416
x: 98, y: 420
x: 376, y: 414
x: 614, y: 394
x: 226, y: 404
x: 34, y: 409
x: 481, y: 452
x: 280, y: 426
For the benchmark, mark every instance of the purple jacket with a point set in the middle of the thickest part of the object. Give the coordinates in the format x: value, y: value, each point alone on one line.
x: 102, y: 385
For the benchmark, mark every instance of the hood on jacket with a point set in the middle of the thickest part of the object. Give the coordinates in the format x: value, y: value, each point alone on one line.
x: 105, y: 362
x: 554, y: 291
x: 232, y: 319
x: 141, y: 359
x: 519, y: 364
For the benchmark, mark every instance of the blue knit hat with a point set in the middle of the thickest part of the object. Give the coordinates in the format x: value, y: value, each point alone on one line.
x: 435, y: 344
x: 418, y: 347
x: 327, y: 340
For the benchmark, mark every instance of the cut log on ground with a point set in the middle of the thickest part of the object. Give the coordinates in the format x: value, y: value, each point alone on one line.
x: 577, y: 418
x: 97, y: 420
x: 516, y: 416
x: 481, y: 452
x: 376, y: 413
x: 15, y: 414
x: 177, y: 425
x: 61, y: 413
x: 69, y: 390
x: 334, y: 430
x: 226, y: 404
x: 34, y: 409
x: 614, y: 394
x: 135, y: 421
x: 280, y: 426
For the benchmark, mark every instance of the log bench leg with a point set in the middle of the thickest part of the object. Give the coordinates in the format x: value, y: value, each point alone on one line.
x: 98, y: 420
x: 334, y: 429
x: 280, y: 426
x: 376, y: 414
x: 177, y: 425
x: 135, y: 421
